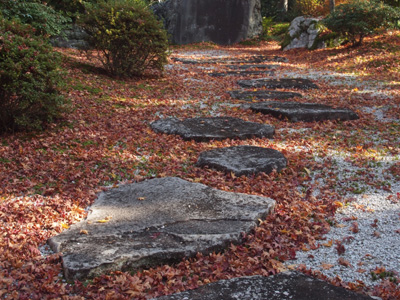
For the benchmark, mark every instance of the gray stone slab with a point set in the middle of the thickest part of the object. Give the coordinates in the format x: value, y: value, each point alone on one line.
x: 306, y: 112
x: 154, y: 222
x: 252, y: 66
x: 262, y: 95
x: 217, y: 128
x: 241, y: 73
x: 284, y: 83
x: 243, y: 160
x: 248, y: 60
x: 284, y: 286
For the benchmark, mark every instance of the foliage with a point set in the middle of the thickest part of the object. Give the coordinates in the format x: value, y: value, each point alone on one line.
x: 274, y: 31
x: 308, y: 8
x: 359, y: 18
x: 127, y: 36
x: 29, y: 77
x: 43, y: 18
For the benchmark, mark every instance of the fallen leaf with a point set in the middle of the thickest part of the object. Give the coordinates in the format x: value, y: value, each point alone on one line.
x: 344, y: 262
x: 326, y: 266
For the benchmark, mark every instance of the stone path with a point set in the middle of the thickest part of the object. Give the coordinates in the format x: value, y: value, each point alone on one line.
x: 243, y: 160
x: 155, y: 222
x: 217, y: 128
x: 284, y: 286
x: 306, y: 112
x: 262, y: 95
x: 241, y: 73
x: 285, y: 83
x: 249, y: 60
x: 253, y: 66
x: 163, y: 220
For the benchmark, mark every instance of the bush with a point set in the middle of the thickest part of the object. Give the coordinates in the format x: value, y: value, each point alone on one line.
x: 127, y: 36
x: 43, y: 18
x: 359, y: 18
x: 29, y: 79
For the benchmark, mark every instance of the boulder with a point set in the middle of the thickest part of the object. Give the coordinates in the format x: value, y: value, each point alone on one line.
x: 262, y: 95
x: 284, y: 83
x: 284, y: 286
x: 155, y: 222
x: 243, y: 160
x: 217, y: 128
x: 305, y: 112
x: 74, y: 37
x: 219, y: 21
x: 303, y: 33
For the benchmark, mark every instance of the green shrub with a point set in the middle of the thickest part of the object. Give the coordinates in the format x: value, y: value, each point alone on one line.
x: 43, y: 18
x: 359, y: 18
x: 127, y: 36
x: 29, y: 79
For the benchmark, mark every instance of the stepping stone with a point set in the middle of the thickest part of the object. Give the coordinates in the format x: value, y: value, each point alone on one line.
x: 284, y: 83
x: 306, y: 112
x: 241, y: 73
x: 261, y: 95
x: 155, y: 222
x: 284, y: 286
x: 243, y: 160
x: 217, y: 128
x: 246, y: 67
x: 251, y: 59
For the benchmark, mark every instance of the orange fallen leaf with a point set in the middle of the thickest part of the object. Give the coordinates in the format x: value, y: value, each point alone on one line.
x: 328, y: 244
x: 63, y: 225
x: 84, y: 231
x: 344, y: 262
x: 326, y: 266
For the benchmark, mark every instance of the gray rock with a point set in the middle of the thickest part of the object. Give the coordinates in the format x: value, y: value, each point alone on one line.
x: 217, y: 128
x: 303, y: 33
x: 155, y: 222
x: 74, y: 37
x: 243, y: 160
x: 248, y: 60
x: 253, y: 66
x: 306, y: 112
x: 284, y: 286
x: 284, y: 83
x: 241, y: 73
x: 219, y: 21
x: 262, y: 95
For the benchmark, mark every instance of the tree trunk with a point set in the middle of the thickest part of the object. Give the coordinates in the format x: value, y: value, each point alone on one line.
x: 331, y: 6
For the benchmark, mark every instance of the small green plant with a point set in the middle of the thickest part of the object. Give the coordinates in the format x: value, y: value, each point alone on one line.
x: 30, y: 78
x: 357, y: 19
x: 127, y: 36
x: 43, y: 18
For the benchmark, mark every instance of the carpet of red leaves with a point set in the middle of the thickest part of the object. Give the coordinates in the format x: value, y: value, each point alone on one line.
x: 47, y: 179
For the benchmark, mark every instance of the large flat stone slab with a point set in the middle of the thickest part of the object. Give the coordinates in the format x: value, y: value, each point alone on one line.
x: 284, y: 83
x: 243, y: 160
x: 248, y: 60
x: 155, y: 222
x: 241, y: 73
x: 217, y: 128
x: 252, y: 66
x: 306, y: 112
x: 262, y: 95
x: 284, y: 286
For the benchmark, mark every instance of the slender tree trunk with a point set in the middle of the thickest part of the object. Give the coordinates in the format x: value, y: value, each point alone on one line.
x: 283, y: 7
x: 331, y: 6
